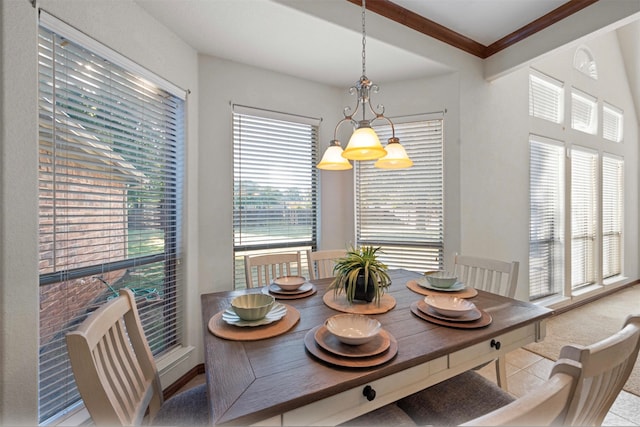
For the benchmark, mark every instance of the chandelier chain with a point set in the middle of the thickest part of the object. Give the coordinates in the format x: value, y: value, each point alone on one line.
x: 364, y: 38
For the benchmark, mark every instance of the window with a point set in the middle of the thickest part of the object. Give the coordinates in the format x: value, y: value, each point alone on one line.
x: 110, y: 202
x: 275, y: 184
x: 584, y: 112
x: 401, y: 210
x: 545, y: 97
x: 611, y: 123
x: 546, y: 227
x: 612, y: 209
x: 584, y: 167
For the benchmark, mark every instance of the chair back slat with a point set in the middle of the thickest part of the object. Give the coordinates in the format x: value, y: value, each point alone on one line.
x: 498, y: 277
x: 271, y: 266
x: 321, y: 262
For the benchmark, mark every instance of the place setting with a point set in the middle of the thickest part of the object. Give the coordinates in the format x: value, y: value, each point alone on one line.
x: 439, y: 282
x: 253, y: 317
x: 451, y: 311
x: 290, y: 287
x: 351, y: 340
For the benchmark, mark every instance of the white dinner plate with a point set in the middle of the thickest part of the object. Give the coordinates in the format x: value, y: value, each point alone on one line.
x: 277, y: 312
x: 458, y: 286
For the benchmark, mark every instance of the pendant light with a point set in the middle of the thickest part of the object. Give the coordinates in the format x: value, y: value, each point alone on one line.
x: 364, y: 143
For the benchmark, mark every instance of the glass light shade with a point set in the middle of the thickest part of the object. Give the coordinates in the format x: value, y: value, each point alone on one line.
x: 333, y: 160
x: 364, y: 145
x: 396, y: 158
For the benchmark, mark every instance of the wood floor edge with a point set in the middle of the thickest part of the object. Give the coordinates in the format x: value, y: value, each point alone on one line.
x: 183, y: 380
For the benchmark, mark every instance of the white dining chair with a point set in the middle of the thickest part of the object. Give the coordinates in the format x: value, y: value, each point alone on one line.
x: 321, y: 262
x: 117, y: 376
x: 600, y: 371
x: 495, y: 276
x: 270, y: 266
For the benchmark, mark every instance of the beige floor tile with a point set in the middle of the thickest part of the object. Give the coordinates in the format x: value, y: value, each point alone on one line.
x: 522, y: 358
x: 541, y: 368
x: 522, y: 382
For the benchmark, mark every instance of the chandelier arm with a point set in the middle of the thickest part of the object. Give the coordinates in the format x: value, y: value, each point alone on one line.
x: 380, y: 116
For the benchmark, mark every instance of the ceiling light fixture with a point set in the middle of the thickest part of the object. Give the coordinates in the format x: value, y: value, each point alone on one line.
x: 364, y: 143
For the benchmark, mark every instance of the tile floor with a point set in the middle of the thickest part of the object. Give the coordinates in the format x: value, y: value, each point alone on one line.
x: 525, y: 370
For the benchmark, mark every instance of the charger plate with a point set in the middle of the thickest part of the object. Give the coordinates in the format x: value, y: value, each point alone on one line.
x: 349, y: 362
x: 340, y: 303
x: 332, y: 344
x: 218, y: 327
x: 467, y: 292
x: 475, y: 314
x: 483, y: 321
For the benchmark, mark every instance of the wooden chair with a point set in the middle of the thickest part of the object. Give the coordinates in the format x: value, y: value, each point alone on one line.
x: 322, y: 262
x: 271, y: 266
x: 545, y: 405
x: 117, y: 376
x: 606, y: 366
x: 598, y: 372
x: 498, y: 277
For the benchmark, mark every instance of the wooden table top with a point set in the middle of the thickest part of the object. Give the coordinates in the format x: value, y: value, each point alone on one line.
x: 250, y: 381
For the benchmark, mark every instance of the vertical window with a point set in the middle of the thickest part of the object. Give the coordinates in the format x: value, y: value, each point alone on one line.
x: 583, y: 216
x: 275, y: 185
x: 612, y: 209
x: 611, y: 123
x: 584, y: 112
x: 110, y: 202
x: 546, y: 226
x: 545, y: 97
x: 401, y: 210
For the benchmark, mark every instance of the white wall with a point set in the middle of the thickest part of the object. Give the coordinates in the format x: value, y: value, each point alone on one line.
x: 125, y: 28
x: 495, y: 153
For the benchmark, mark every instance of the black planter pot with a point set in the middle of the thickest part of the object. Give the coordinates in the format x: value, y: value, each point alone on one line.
x: 363, y: 294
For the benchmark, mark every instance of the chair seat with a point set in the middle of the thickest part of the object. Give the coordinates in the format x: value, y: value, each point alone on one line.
x: 444, y: 404
x: 389, y: 415
x: 189, y: 408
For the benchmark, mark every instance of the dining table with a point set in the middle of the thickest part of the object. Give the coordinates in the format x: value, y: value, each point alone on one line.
x: 284, y: 378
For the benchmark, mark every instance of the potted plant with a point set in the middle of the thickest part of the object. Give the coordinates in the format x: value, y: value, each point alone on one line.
x: 360, y: 275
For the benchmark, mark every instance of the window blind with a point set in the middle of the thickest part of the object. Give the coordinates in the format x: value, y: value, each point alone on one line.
x: 545, y: 97
x: 583, y: 216
x: 275, y: 187
x: 612, y: 215
x: 611, y: 123
x: 584, y: 112
x: 110, y: 203
x: 546, y: 217
x: 401, y: 210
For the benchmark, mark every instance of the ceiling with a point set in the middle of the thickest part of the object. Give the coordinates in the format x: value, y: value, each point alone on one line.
x: 321, y: 40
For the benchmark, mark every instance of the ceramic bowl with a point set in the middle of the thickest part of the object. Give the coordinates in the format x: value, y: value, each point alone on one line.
x: 449, y: 306
x: 252, y: 306
x: 353, y: 329
x: 289, y: 283
x: 441, y: 279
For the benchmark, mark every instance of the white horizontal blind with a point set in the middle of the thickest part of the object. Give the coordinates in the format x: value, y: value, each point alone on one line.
x: 612, y: 215
x: 584, y: 112
x: 545, y: 97
x: 546, y: 226
x: 275, y: 187
x: 401, y: 210
x: 612, y: 127
x: 111, y: 178
x: 584, y: 167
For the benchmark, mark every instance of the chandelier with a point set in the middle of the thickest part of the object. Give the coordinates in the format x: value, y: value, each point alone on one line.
x: 364, y: 143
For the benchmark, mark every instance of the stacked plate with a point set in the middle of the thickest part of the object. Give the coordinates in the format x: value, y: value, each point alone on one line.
x: 305, y: 290
x: 327, y: 347
x: 277, y: 312
x: 423, y: 282
x: 453, y: 309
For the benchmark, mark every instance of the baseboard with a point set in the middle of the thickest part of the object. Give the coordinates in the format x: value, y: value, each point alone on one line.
x: 183, y: 380
x: 594, y: 298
